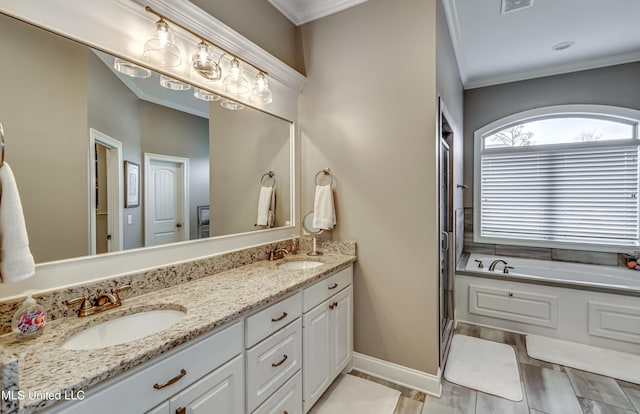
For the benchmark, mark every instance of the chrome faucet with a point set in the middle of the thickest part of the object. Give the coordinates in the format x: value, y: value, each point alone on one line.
x: 276, y: 254
x: 493, y: 264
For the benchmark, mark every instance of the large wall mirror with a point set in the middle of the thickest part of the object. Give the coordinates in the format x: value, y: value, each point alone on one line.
x: 107, y: 162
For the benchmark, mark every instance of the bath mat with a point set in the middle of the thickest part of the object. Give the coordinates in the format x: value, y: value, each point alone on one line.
x: 614, y: 364
x: 355, y: 395
x: 485, y: 366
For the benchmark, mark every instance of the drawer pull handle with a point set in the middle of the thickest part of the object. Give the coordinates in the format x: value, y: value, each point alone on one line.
x: 181, y: 410
x: 173, y: 380
x: 510, y: 294
x: 335, y: 285
x: 333, y: 305
x: 277, y: 364
x: 284, y: 315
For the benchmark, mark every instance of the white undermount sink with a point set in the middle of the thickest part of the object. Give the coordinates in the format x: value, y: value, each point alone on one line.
x: 123, y: 329
x: 300, y: 265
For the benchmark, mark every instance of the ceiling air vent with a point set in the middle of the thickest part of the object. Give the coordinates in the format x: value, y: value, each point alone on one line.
x: 513, y: 5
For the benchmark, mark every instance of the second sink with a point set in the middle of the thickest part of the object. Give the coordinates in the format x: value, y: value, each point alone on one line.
x: 123, y: 329
x: 300, y: 265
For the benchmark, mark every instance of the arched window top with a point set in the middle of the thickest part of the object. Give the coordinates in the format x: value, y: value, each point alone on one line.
x: 562, y: 176
x: 566, y: 124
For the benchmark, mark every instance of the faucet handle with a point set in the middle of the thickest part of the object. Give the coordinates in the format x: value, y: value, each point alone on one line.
x: 86, y: 307
x: 506, y: 269
x: 117, y: 290
x: 480, y: 265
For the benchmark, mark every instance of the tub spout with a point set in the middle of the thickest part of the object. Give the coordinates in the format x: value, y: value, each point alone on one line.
x: 492, y: 267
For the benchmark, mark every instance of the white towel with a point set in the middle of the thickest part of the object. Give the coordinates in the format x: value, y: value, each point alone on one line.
x: 264, y: 205
x: 324, y: 212
x: 16, y: 261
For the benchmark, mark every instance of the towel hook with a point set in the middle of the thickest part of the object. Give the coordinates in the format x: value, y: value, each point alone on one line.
x: 267, y: 175
x: 324, y: 172
x: 2, y: 146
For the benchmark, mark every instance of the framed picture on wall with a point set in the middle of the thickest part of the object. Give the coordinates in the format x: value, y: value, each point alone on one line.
x: 131, y: 184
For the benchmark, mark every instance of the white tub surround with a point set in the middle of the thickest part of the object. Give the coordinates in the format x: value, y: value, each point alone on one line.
x: 589, y: 304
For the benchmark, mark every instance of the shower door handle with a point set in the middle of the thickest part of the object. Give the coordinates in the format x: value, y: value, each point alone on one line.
x: 445, y: 240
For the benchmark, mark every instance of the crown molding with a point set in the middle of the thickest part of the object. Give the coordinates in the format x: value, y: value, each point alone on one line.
x: 300, y: 12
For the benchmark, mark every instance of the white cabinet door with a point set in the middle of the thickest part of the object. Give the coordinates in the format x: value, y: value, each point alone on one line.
x: 222, y: 392
x: 316, y: 353
x: 161, y: 409
x: 341, y: 330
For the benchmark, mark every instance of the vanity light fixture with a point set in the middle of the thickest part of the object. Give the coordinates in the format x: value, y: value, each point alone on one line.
x: 205, y: 95
x: 130, y: 69
x: 173, y: 84
x: 231, y: 105
x: 204, y: 64
x: 260, y: 92
x: 235, y: 82
x: 161, y: 49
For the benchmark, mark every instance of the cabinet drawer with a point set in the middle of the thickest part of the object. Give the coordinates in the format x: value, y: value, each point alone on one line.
x: 534, y: 309
x: 288, y: 399
x: 135, y: 392
x: 269, y: 320
x: 272, y: 362
x: 321, y: 291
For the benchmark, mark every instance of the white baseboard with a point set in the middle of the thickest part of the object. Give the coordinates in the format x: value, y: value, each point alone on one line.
x: 407, y: 377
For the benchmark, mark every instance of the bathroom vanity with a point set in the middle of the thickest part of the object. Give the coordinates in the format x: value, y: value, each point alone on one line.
x: 254, y: 338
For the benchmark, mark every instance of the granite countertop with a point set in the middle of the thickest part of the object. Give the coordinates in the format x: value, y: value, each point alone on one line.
x: 209, y: 303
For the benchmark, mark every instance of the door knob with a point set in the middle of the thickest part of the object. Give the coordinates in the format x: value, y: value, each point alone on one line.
x: 179, y: 225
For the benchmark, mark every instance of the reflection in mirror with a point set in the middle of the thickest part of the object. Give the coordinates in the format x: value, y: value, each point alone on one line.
x: 72, y: 123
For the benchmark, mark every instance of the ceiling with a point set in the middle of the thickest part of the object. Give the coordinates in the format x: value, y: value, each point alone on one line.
x: 304, y: 11
x: 150, y: 90
x: 493, y: 48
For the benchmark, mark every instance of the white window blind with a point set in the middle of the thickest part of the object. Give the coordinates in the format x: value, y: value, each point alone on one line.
x: 578, y: 193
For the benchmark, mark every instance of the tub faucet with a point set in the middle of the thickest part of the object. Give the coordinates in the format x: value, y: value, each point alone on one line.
x: 492, y: 267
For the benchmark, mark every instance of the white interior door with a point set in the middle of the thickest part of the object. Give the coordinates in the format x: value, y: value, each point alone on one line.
x: 166, y: 208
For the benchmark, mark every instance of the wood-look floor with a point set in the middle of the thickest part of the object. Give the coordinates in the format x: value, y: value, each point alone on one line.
x: 548, y: 388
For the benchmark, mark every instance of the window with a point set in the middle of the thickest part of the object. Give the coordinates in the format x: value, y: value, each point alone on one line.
x: 559, y: 177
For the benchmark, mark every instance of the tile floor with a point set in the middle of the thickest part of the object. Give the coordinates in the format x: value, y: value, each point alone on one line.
x: 549, y: 388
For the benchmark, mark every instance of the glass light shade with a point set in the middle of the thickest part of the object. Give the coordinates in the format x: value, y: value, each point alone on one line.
x: 173, y: 84
x: 130, y: 69
x: 203, y: 63
x: 231, y: 105
x: 235, y: 82
x: 205, y: 95
x: 161, y: 49
x: 260, y: 91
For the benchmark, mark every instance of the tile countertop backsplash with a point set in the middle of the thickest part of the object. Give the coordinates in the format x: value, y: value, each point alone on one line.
x: 212, y: 291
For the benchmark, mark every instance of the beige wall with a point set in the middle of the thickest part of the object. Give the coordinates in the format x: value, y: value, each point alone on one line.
x: 368, y: 111
x: 244, y: 145
x: 114, y: 110
x: 44, y: 107
x: 169, y: 132
x: 261, y: 23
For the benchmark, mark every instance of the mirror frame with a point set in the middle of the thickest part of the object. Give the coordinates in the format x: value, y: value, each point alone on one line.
x: 92, y: 24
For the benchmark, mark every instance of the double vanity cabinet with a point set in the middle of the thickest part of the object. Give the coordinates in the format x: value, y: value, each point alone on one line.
x: 279, y: 359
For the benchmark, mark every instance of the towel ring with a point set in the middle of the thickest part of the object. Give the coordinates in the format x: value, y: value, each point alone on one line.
x: 324, y: 172
x: 1, y: 146
x: 266, y: 176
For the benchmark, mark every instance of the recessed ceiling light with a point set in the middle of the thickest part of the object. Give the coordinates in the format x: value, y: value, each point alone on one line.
x: 562, y: 45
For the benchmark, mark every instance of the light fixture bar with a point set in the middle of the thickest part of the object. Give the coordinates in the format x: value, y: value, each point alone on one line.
x: 162, y: 16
